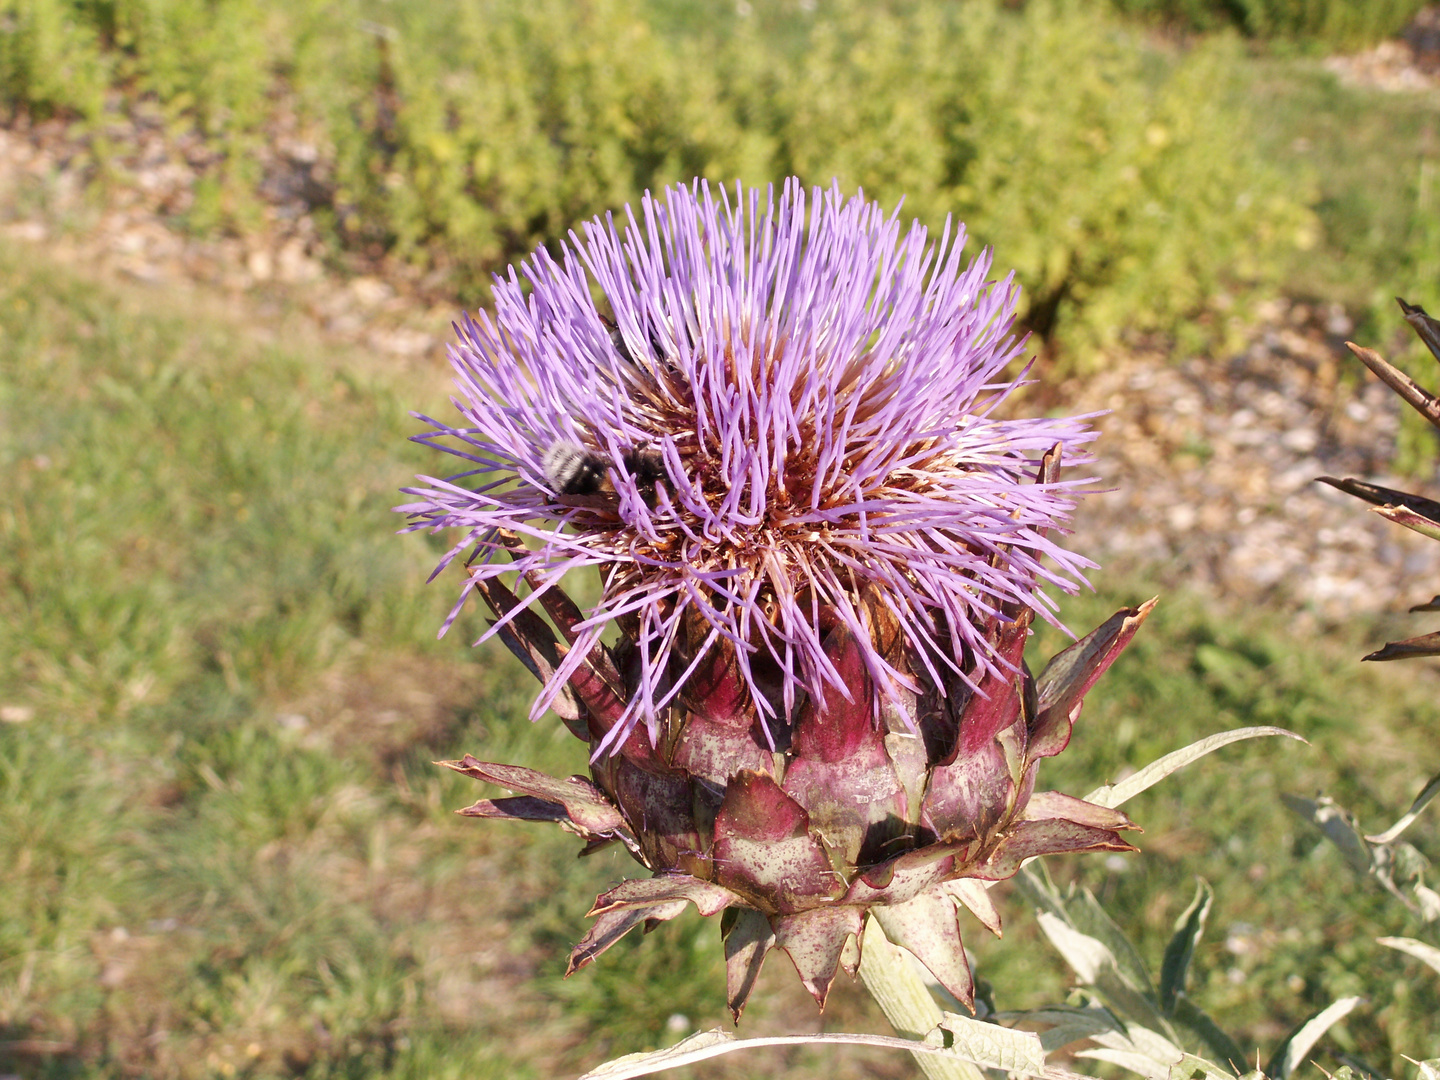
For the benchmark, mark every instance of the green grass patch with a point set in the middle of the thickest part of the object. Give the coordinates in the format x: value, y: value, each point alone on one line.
x: 225, y: 854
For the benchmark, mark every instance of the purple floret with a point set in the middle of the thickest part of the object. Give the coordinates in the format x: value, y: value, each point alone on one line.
x: 812, y: 391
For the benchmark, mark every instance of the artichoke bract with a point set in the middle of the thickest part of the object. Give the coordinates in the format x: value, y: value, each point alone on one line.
x: 770, y: 424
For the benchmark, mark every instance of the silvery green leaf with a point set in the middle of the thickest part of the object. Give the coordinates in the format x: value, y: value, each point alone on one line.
x: 1034, y: 881
x: 1426, y: 954
x: 1409, y: 863
x: 1142, y: 1040
x: 1094, y: 965
x: 1337, y: 826
x: 1067, y: 1025
x: 1115, y: 795
x: 1193, y: 1018
x: 1428, y: 901
x: 1421, y: 801
x: 989, y: 1045
x: 1352, y: 1068
x: 1018, y: 1052
x: 1430, y: 1069
x: 1133, y: 1061
x: 1087, y: 916
x: 1191, y: 1067
x: 1087, y: 956
x: 893, y: 981
x: 1139, y: 1049
x: 1181, y: 949
x: 1302, y: 1040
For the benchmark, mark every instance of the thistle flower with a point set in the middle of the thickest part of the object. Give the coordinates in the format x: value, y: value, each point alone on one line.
x: 776, y: 440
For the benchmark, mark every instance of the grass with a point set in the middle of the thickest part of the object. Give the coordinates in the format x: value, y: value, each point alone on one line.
x: 1369, y: 153
x: 229, y: 855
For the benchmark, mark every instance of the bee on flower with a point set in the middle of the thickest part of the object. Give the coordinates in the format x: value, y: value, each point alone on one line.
x: 823, y: 548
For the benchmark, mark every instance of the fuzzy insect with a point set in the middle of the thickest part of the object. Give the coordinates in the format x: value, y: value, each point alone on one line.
x: 573, y: 470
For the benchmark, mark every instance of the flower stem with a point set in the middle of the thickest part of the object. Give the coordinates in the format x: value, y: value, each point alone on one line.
x: 906, y: 1001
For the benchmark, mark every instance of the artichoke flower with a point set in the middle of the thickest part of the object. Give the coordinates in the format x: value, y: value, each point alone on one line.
x: 770, y: 424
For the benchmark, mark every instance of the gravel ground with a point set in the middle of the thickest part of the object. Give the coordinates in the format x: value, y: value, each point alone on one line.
x: 1213, y: 463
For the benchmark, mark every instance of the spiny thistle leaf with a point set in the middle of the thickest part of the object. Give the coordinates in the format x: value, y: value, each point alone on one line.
x: 1423, y: 523
x: 1383, y: 496
x: 1413, y: 511
x: 1411, y: 392
x: 1424, y: 645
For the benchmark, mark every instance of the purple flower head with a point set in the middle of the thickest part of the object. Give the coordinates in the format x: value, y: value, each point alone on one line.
x: 746, y: 413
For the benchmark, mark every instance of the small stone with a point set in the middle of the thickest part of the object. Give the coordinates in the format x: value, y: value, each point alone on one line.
x: 33, y: 232
x: 1301, y: 439
x: 260, y: 265
x: 370, y: 291
x: 294, y: 266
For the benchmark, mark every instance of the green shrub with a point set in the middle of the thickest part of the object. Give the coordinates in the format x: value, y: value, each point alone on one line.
x: 1115, y: 177
x: 52, y: 59
x: 1118, y: 181
x: 469, y: 133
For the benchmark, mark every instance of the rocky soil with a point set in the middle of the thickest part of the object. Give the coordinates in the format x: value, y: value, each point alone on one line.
x: 1212, y: 460
x: 1409, y: 62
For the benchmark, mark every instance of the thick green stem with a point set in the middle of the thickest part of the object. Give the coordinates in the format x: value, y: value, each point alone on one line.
x: 906, y: 1000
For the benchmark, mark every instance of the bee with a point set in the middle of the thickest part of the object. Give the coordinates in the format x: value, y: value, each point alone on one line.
x: 573, y: 470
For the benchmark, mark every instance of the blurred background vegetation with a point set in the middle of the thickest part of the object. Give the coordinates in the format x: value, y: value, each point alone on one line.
x: 223, y: 850
x: 1136, y: 180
